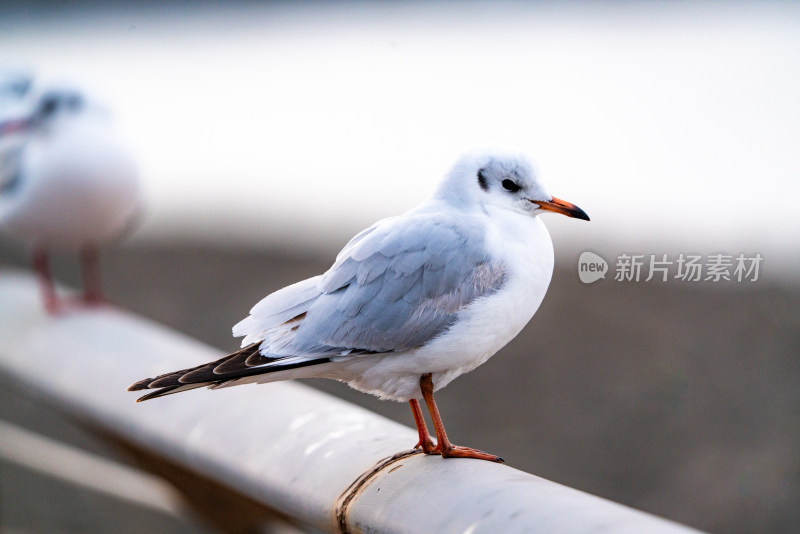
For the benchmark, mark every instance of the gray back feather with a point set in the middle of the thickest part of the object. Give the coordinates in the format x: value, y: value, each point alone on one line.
x: 399, y: 285
x: 393, y: 287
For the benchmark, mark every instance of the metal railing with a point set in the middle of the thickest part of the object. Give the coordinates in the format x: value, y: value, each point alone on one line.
x: 282, y: 449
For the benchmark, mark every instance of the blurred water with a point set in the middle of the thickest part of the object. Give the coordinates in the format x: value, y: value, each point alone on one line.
x: 674, y: 126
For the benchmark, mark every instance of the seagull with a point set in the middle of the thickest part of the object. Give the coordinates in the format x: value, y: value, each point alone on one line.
x: 66, y: 183
x: 411, y: 302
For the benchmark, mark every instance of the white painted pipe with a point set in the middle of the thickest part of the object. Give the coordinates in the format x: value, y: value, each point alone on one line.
x: 308, y: 455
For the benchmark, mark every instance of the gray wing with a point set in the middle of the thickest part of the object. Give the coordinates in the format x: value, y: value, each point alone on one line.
x: 394, y: 287
x: 399, y: 286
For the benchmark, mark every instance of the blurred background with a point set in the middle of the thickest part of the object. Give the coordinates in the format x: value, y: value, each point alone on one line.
x: 268, y: 134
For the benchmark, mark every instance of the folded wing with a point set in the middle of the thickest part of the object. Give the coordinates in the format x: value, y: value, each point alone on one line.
x: 394, y: 287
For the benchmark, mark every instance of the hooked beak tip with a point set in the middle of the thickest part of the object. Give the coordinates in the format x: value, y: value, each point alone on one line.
x: 556, y: 205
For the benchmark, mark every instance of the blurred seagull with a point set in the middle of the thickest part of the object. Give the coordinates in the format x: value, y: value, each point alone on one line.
x: 411, y: 302
x: 66, y: 183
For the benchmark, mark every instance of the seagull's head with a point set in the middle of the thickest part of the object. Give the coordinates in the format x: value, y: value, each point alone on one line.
x: 505, y: 181
x: 58, y: 104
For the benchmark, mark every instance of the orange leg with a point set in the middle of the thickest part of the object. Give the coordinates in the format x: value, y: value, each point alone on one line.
x: 49, y: 296
x: 90, y: 269
x: 425, y: 440
x: 444, y: 447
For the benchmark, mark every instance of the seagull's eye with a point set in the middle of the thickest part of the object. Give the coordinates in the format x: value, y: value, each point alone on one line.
x: 511, y: 185
x: 49, y: 106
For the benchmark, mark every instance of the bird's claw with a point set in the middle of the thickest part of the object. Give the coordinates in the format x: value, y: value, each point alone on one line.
x: 455, y: 451
x: 58, y: 306
x: 427, y: 445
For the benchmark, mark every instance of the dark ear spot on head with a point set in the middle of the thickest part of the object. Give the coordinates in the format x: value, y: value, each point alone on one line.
x: 482, y: 181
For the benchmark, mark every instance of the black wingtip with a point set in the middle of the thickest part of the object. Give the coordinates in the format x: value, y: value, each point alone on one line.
x: 169, y: 390
x: 140, y: 385
x: 157, y: 393
x: 148, y: 396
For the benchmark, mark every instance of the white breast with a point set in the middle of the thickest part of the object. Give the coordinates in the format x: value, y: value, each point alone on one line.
x: 76, y: 187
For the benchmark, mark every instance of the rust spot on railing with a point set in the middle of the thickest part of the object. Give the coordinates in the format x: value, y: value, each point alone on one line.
x: 349, y: 495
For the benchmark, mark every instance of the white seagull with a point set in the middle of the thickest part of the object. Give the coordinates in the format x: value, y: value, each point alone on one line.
x: 411, y: 302
x: 66, y: 183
